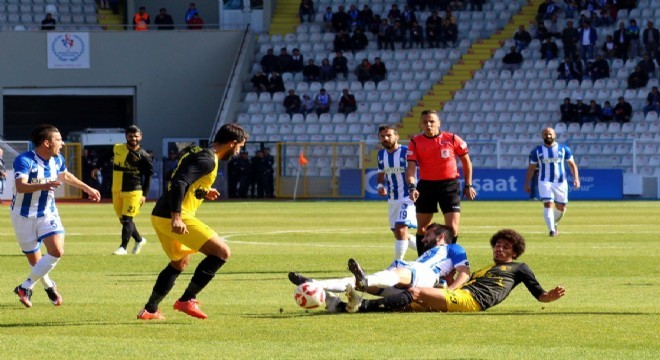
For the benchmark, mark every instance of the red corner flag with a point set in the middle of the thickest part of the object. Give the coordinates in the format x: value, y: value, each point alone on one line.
x: 302, y: 160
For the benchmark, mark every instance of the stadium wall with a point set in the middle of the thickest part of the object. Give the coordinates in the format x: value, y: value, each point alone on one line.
x: 178, y: 77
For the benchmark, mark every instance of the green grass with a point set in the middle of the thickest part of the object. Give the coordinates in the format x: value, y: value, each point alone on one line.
x: 606, y: 256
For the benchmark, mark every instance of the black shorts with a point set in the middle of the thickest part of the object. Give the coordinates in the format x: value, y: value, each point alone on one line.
x: 447, y: 193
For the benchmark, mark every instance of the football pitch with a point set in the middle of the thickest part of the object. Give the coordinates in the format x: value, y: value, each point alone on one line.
x: 607, y: 257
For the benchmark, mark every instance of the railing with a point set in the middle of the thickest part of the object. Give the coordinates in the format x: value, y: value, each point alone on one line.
x: 234, y: 78
x: 117, y: 27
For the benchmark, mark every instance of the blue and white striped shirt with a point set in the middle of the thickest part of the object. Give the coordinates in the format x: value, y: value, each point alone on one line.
x: 440, y: 259
x: 36, y: 170
x: 394, y: 165
x: 551, y: 162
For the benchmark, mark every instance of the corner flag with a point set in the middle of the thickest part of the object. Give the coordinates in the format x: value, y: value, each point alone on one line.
x: 302, y: 160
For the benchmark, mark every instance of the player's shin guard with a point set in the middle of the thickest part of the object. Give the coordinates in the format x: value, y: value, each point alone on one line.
x: 391, y: 303
x: 203, y: 275
x: 136, y: 234
x: 336, y: 285
x: 40, y: 269
x: 164, y: 284
x: 558, y: 214
x: 420, y: 244
x: 383, y: 279
x: 127, y: 229
x: 412, y: 242
x: 400, y: 248
x: 549, y: 216
x: 46, y: 282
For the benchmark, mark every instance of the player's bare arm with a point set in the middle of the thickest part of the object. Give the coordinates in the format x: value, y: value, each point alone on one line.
x: 380, y: 180
x: 462, y: 276
x: 70, y: 179
x: 212, y: 194
x: 553, y: 294
x: 528, y: 177
x: 178, y: 226
x: 576, y: 175
x: 22, y: 186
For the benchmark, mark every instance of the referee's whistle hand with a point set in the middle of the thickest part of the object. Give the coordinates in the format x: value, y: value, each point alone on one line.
x: 414, y: 195
x: 470, y: 194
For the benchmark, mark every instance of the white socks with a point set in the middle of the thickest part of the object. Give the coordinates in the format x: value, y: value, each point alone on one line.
x: 558, y: 214
x: 383, y: 279
x: 400, y: 248
x: 549, y: 216
x: 40, y: 269
x: 336, y: 285
x: 47, y: 282
x: 412, y: 242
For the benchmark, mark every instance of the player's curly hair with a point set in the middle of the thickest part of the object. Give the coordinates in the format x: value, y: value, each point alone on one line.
x: 517, y: 240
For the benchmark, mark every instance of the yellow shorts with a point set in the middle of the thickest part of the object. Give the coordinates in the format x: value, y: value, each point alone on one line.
x: 126, y: 203
x: 460, y: 301
x: 177, y: 246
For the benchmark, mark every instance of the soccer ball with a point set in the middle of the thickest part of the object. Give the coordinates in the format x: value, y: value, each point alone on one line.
x: 309, y: 295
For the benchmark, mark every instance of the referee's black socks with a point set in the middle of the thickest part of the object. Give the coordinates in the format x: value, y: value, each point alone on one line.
x: 420, y: 244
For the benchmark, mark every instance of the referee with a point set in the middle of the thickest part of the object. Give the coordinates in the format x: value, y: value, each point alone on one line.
x: 434, y: 153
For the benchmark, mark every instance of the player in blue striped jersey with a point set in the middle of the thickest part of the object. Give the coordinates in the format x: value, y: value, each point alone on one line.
x: 553, y: 186
x: 35, y: 218
x: 438, y: 260
x: 392, y: 164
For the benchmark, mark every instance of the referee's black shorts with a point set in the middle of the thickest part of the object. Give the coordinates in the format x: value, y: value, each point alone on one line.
x: 446, y: 193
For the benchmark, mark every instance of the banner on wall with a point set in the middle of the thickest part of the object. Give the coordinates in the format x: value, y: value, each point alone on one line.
x: 509, y: 184
x: 68, y: 50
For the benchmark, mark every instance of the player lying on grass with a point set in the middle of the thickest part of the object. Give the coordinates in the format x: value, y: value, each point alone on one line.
x: 486, y: 287
x: 437, y: 261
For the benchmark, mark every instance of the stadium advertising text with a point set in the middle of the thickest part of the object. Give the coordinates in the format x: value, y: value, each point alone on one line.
x: 508, y: 184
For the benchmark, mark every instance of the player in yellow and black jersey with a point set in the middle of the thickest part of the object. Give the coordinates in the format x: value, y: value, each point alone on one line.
x: 486, y: 287
x: 131, y: 177
x: 181, y: 233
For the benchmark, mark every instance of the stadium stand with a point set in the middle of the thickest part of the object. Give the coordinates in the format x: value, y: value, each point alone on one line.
x: 499, y: 112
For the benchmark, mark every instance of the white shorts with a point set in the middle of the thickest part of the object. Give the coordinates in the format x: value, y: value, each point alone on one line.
x: 422, y: 276
x: 550, y: 191
x: 402, y: 212
x: 31, y: 231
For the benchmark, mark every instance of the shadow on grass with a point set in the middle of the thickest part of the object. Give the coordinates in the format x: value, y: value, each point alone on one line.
x: 276, y: 275
x: 559, y: 313
x: 89, y: 323
x: 314, y: 313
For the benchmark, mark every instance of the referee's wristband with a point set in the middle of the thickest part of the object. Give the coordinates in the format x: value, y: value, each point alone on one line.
x: 467, y: 186
x: 381, y: 186
x: 412, y: 187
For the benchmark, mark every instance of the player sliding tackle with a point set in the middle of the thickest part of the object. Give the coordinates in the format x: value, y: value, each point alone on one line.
x: 438, y: 260
x: 485, y: 289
